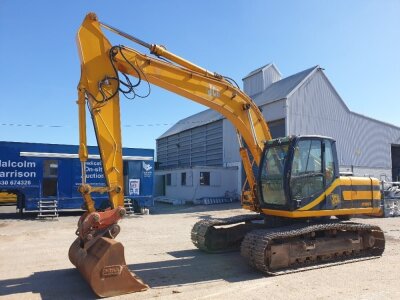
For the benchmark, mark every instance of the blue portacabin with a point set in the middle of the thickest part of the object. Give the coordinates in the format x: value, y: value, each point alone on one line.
x: 36, y: 172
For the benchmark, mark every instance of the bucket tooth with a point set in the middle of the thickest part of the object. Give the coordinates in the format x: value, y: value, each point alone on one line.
x: 103, y: 266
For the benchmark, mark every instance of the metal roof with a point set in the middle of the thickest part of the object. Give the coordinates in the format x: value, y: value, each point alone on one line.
x: 262, y: 68
x: 277, y: 90
x: 69, y: 155
x: 257, y: 70
x: 284, y: 87
x: 201, y: 118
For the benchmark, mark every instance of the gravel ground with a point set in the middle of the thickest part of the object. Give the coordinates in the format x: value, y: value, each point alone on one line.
x: 34, y: 262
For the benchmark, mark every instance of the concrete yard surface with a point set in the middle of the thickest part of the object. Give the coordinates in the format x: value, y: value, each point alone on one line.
x: 34, y: 262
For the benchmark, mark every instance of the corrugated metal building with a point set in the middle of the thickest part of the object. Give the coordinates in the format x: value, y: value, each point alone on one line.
x: 302, y: 104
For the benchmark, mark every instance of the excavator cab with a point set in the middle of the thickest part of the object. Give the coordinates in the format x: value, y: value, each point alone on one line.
x: 296, y: 170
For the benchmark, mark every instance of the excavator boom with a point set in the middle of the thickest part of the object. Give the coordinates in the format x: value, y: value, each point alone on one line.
x: 100, y: 84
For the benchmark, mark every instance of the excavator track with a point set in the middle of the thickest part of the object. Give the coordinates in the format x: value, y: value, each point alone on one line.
x: 210, y: 235
x: 301, y: 247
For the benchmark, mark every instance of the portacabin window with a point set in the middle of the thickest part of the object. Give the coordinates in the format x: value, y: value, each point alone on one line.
x: 50, y: 168
x: 183, y: 178
x: 204, y: 178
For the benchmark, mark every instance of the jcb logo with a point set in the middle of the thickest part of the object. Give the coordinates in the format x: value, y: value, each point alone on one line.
x: 213, y: 91
x: 335, y: 199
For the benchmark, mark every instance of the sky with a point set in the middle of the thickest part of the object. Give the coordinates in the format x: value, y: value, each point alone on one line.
x: 357, y: 43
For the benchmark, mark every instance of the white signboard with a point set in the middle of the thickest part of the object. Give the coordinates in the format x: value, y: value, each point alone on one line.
x: 134, y: 187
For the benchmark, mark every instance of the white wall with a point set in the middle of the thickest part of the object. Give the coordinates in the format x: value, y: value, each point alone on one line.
x: 275, y: 110
x: 231, y: 157
x: 380, y: 173
x: 259, y: 80
x: 222, y: 180
x: 271, y: 112
x: 230, y: 143
x: 316, y: 108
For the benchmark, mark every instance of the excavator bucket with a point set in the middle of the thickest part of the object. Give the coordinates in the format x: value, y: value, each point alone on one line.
x: 103, y: 266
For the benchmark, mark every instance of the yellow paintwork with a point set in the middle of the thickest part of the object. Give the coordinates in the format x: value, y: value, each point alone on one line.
x: 213, y: 92
x: 376, y: 211
x: 359, y: 181
x: 306, y: 211
x: 7, y: 198
x: 182, y: 78
x: 322, y: 197
x: 93, y: 49
x: 347, y: 181
x: 361, y: 195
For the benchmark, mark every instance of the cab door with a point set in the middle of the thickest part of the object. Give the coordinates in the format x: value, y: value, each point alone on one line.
x: 307, y: 180
x: 314, y: 170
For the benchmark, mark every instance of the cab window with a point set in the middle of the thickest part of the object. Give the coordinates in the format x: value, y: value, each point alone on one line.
x: 329, y: 164
x: 272, y: 175
x: 307, y: 177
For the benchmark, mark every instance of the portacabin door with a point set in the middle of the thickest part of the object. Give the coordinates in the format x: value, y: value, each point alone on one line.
x: 50, y: 178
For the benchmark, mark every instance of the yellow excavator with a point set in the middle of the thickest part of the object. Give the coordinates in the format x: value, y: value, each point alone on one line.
x: 292, y: 186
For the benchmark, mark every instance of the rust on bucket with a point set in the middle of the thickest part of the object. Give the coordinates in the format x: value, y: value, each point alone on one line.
x: 103, y: 266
